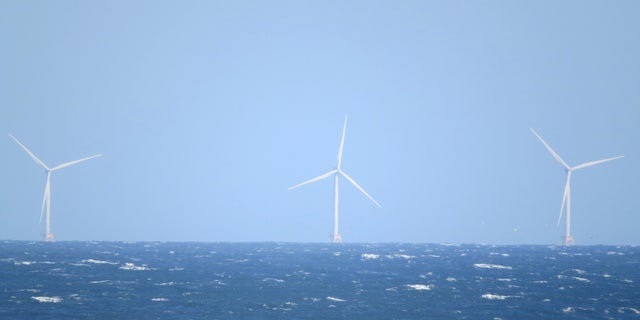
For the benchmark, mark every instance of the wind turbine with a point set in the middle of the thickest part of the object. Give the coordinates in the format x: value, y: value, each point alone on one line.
x: 566, y: 198
x: 46, y: 201
x: 336, y: 173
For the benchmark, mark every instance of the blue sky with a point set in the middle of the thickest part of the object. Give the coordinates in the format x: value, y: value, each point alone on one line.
x: 207, y: 111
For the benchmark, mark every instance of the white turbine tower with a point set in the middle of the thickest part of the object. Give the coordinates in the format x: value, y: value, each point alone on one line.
x: 46, y: 201
x: 566, y: 198
x: 336, y: 173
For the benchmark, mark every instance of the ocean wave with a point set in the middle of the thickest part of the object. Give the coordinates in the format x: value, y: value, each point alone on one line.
x: 335, y: 299
x: 420, y: 287
x: 403, y: 256
x: 159, y: 299
x: 369, y: 256
x: 273, y: 280
x: 98, y: 261
x: 373, y: 256
x: 498, y: 254
x: 54, y: 299
x: 131, y: 266
x: 580, y: 309
x: 451, y: 279
x: 624, y: 310
x: 581, y: 279
x: 490, y: 296
x: 450, y: 244
x: 491, y: 266
x: 75, y: 296
x: 218, y: 282
x: 100, y: 281
x: 579, y: 271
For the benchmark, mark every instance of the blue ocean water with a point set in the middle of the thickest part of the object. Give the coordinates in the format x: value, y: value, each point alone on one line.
x: 150, y: 280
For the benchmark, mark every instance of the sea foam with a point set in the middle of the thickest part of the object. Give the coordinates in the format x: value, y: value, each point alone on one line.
x: 491, y: 266
x: 47, y: 299
x: 420, y: 287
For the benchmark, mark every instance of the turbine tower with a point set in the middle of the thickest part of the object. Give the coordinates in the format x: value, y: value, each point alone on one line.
x: 336, y: 173
x: 566, y: 198
x: 46, y: 201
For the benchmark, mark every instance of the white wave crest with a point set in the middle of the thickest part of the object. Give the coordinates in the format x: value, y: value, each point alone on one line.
x: 159, y: 299
x: 623, y: 310
x: 491, y: 296
x: 47, y: 299
x: 335, y: 299
x: 451, y: 279
x: 273, y: 279
x: 97, y: 261
x: 491, y: 266
x: 582, y: 279
x: 420, y: 286
x: 131, y: 266
x: 403, y: 256
x: 369, y: 256
x: 100, y: 281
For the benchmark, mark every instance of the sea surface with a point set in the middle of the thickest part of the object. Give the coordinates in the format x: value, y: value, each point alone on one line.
x: 170, y: 280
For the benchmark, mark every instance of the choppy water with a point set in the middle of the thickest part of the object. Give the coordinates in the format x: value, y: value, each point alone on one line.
x: 149, y: 280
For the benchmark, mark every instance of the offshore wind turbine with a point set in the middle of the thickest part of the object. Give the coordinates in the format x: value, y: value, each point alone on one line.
x: 46, y: 201
x: 336, y: 173
x: 566, y: 198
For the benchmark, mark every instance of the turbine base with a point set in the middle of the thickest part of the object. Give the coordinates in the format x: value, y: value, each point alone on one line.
x: 568, y: 241
x: 337, y: 238
x: 48, y: 236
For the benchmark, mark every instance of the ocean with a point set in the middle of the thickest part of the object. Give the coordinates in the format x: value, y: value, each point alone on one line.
x: 173, y: 280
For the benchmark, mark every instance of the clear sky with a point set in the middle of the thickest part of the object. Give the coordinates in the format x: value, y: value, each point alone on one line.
x: 207, y: 111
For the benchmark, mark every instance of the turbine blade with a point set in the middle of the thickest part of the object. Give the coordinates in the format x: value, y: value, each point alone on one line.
x: 70, y: 163
x: 359, y: 187
x: 566, y: 194
x: 46, y: 195
x: 344, y: 129
x: 33, y: 156
x: 320, y: 177
x: 553, y: 153
x: 588, y: 164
